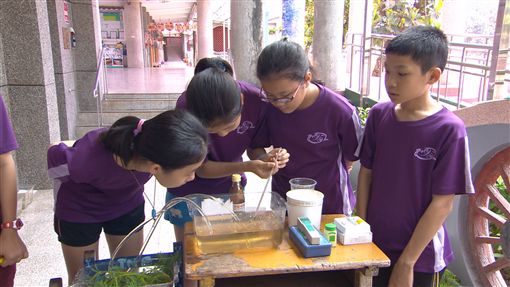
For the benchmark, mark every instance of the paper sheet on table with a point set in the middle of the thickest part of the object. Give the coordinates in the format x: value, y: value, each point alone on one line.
x: 215, y: 207
x: 252, y: 199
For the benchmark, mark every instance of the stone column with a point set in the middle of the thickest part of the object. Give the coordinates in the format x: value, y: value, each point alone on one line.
x: 85, y: 15
x: 327, y: 42
x: 293, y: 20
x: 27, y: 81
x: 204, y: 29
x: 146, y: 18
x: 133, y: 32
x: 63, y: 63
x: 246, y: 37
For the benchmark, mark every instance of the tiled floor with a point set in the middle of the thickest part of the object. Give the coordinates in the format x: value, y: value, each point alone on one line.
x: 171, y: 77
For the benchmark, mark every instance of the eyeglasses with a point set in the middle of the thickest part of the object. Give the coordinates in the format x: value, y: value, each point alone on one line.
x: 282, y: 100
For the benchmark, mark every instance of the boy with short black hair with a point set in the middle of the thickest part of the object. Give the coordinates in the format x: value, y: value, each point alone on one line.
x: 414, y: 158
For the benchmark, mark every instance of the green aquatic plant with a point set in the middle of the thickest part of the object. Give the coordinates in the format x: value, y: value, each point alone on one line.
x: 161, y: 272
x: 119, y: 277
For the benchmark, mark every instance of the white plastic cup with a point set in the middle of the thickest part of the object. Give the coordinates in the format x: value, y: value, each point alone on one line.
x: 304, y: 202
x: 302, y: 183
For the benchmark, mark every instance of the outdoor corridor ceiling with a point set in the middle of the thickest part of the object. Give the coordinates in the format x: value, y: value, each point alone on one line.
x: 169, y: 10
x: 175, y: 11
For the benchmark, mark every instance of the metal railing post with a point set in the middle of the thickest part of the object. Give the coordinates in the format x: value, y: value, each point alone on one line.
x: 96, y: 93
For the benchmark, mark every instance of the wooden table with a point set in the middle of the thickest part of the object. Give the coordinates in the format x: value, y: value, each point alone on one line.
x: 364, y: 258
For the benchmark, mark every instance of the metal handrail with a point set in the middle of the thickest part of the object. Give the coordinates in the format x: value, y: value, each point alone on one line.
x: 462, y: 63
x: 100, y: 65
x: 96, y: 92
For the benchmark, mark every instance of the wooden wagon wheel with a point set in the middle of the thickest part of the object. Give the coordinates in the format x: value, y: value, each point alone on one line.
x: 480, y: 218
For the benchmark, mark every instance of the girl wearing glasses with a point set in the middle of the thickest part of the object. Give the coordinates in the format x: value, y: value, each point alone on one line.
x: 317, y: 126
x: 233, y: 114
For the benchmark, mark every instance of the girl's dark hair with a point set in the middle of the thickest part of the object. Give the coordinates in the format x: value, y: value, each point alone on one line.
x: 426, y: 45
x: 172, y: 139
x: 283, y: 59
x: 215, y: 62
x: 214, y: 96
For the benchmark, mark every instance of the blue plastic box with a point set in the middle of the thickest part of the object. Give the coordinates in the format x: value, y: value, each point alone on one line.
x: 306, y: 249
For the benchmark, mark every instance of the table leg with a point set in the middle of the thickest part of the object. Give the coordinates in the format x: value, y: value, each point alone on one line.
x: 206, y: 282
x: 363, y: 277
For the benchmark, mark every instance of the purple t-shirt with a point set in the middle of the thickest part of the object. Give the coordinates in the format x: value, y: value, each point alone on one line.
x: 410, y: 162
x: 231, y: 147
x: 89, y: 186
x: 320, y: 139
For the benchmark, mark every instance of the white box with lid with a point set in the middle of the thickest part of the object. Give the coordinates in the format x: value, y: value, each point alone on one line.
x: 353, y: 230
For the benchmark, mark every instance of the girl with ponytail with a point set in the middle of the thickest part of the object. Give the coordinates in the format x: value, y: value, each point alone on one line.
x: 99, y: 180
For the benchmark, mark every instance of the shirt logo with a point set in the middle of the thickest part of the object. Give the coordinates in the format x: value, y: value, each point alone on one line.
x: 317, y: 138
x: 245, y: 126
x: 426, y: 153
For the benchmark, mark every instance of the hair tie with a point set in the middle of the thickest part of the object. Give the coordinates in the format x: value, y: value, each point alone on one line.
x: 138, y: 127
x: 222, y: 67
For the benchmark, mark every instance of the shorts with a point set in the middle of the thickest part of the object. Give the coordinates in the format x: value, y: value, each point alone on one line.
x: 83, y: 234
x: 179, y: 214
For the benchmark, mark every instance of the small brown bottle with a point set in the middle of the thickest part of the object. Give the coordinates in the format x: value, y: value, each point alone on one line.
x: 236, y: 193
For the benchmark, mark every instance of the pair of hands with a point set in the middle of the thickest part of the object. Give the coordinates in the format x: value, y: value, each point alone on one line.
x: 12, y: 248
x: 269, y: 163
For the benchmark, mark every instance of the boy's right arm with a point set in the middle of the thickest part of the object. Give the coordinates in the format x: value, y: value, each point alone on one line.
x: 363, y: 192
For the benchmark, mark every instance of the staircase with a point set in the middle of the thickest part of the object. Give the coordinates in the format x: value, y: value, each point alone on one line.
x: 116, y: 106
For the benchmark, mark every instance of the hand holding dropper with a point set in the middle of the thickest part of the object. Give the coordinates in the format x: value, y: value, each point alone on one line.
x: 269, y: 178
